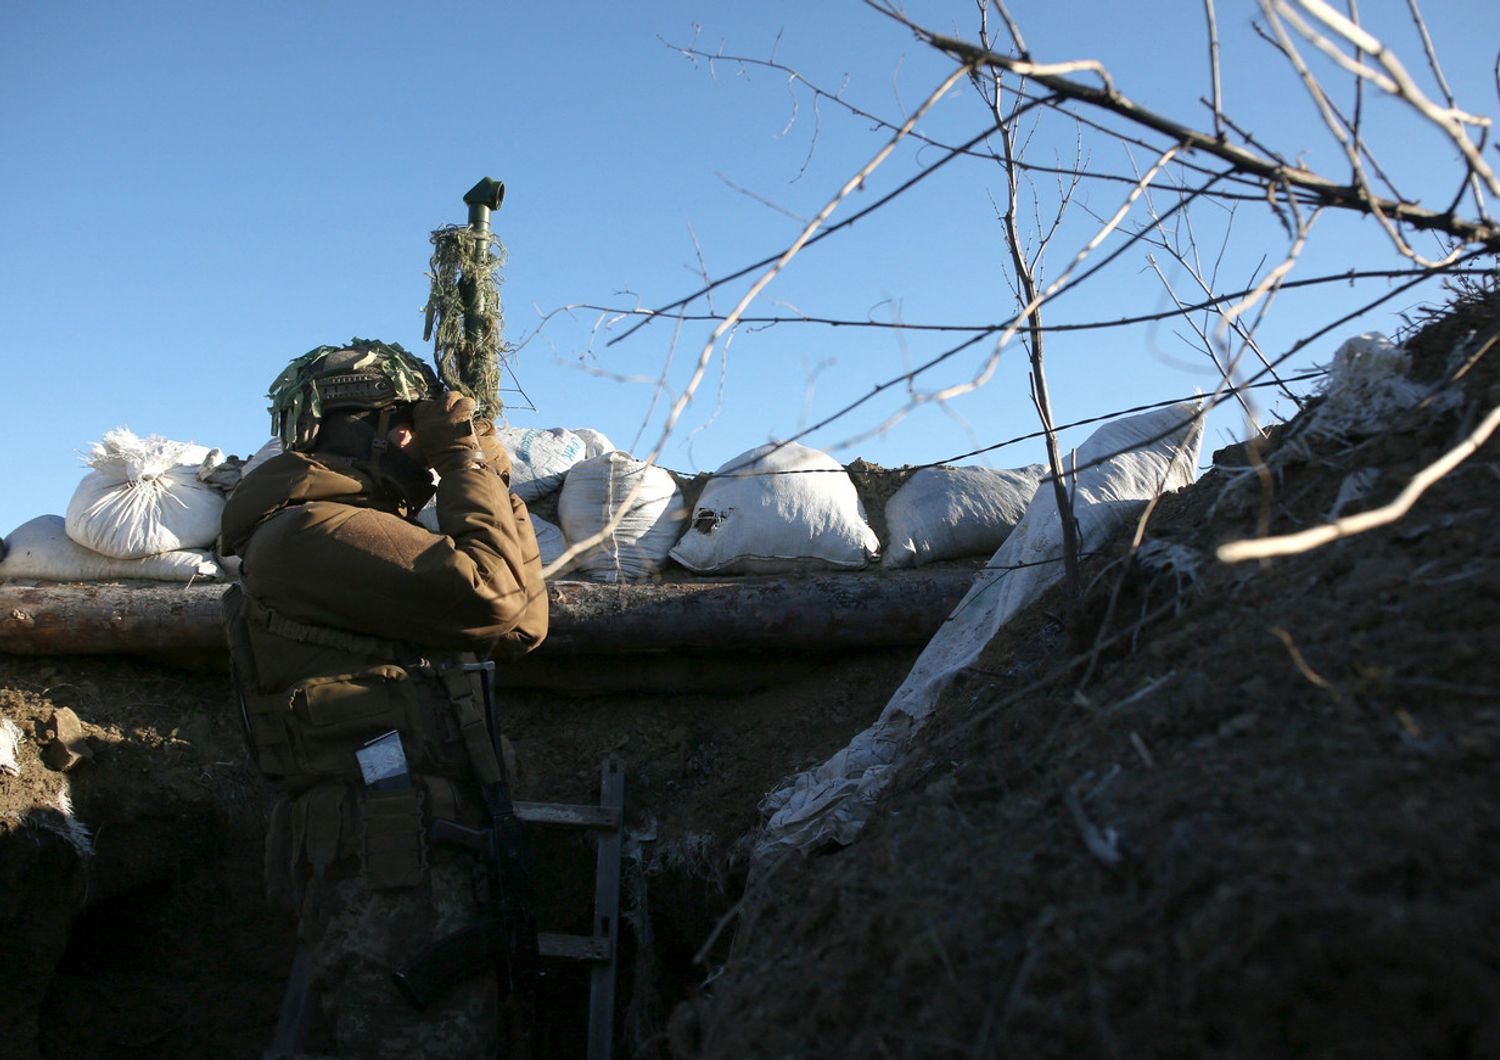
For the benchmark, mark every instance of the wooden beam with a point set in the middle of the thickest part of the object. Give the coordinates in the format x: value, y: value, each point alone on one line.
x: 814, y: 613
x: 568, y: 816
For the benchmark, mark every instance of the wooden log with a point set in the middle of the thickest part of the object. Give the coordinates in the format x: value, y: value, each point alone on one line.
x: 816, y: 613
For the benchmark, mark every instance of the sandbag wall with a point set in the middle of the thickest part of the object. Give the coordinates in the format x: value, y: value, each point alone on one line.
x: 149, y: 508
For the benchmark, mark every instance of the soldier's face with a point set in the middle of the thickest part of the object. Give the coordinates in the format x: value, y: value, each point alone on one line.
x: 405, y: 439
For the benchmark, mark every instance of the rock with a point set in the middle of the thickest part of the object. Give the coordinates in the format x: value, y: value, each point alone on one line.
x: 66, y: 745
x: 10, y: 739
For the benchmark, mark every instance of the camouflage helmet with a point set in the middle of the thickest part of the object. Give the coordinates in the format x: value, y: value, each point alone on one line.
x: 364, y: 374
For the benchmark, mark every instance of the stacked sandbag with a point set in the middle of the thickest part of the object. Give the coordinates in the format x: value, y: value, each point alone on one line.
x: 540, y: 459
x: 952, y: 512
x: 599, y: 488
x: 144, y: 497
x: 41, y: 550
x: 775, y: 509
x: 264, y: 453
x: 594, y: 442
x: 549, y: 540
x: 549, y: 537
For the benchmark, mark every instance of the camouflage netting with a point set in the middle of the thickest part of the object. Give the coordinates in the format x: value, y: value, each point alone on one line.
x: 468, y: 345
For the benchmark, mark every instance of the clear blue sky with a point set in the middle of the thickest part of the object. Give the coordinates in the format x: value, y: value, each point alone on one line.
x: 192, y: 194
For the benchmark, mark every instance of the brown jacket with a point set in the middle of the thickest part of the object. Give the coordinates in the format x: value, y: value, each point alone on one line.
x: 322, y: 545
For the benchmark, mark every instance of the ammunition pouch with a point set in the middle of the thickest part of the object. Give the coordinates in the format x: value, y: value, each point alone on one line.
x: 394, y: 850
x: 313, y: 728
x: 335, y: 831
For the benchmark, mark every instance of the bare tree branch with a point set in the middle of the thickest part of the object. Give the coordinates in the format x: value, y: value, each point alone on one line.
x: 1346, y: 277
x: 1450, y: 120
x: 1324, y: 191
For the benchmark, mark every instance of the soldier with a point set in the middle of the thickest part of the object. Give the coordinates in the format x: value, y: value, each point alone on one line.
x: 351, y: 623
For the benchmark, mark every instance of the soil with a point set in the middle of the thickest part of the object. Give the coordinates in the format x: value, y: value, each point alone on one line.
x: 1289, y: 771
x: 1204, y: 810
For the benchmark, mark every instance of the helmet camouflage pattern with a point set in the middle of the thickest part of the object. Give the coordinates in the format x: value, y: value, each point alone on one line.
x: 365, y: 374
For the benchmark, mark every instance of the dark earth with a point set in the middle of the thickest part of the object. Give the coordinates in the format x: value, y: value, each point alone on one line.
x: 1291, y: 771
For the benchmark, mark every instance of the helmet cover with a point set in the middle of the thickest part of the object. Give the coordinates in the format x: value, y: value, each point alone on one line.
x: 363, y: 375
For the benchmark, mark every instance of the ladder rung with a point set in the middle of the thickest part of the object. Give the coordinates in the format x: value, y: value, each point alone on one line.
x: 572, y: 947
x: 575, y: 816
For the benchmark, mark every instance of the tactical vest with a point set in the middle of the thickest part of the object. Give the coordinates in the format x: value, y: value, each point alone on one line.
x: 304, y: 735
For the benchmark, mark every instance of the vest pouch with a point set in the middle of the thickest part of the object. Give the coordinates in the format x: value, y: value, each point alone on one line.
x: 263, y: 715
x: 331, y: 717
x: 394, y: 849
x: 271, y: 749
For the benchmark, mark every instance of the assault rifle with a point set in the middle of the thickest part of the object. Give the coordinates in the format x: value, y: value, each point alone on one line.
x: 507, y: 941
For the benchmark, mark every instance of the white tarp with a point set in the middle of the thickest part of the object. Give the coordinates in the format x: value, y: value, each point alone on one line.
x: 1367, y: 386
x: 1137, y: 458
x: 41, y: 550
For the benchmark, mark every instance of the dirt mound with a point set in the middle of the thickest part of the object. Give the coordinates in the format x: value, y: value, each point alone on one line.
x: 1240, y: 810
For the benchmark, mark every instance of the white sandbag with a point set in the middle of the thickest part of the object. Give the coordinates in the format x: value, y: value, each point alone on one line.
x: 549, y: 538
x: 144, y: 498
x: 594, y: 442
x: 264, y: 453
x: 41, y: 550
x: 1123, y: 465
x: 949, y: 512
x: 540, y: 459
x: 778, y: 508
x: 598, y: 488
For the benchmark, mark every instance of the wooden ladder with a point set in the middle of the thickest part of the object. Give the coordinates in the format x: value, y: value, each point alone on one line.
x: 601, y: 949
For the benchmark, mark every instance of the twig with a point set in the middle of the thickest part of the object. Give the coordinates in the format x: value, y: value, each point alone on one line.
x: 1103, y: 845
x: 713, y: 936
x: 1213, y: 66
x: 1348, y: 276
x: 1338, y: 694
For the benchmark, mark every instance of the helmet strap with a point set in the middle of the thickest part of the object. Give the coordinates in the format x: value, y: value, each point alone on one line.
x: 380, y: 443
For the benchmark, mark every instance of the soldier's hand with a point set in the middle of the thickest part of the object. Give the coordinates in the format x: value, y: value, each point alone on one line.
x: 494, y: 451
x: 445, y: 432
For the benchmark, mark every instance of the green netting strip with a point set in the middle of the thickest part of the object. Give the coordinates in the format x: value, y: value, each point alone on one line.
x: 464, y: 318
